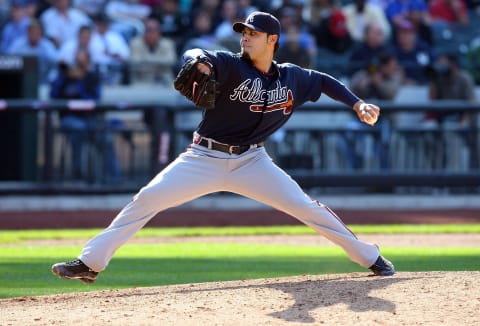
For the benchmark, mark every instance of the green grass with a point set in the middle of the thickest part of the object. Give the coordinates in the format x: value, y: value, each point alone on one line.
x: 12, y: 236
x: 25, y: 268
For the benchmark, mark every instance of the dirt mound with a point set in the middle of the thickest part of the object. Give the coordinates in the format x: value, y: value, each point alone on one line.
x: 427, y: 298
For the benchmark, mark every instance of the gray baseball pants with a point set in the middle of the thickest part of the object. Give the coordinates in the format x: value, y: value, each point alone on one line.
x: 200, y: 171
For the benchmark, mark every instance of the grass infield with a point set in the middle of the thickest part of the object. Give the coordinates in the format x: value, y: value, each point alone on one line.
x: 11, y: 236
x: 25, y: 267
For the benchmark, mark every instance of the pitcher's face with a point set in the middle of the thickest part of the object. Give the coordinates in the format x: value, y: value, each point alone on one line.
x: 253, y: 44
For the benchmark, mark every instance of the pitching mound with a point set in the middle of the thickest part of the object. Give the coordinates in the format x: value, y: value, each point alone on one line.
x: 433, y: 298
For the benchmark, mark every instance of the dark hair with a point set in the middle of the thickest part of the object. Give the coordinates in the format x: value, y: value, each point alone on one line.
x: 35, y: 23
x: 84, y: 28
x: 385, y: 56
x: 452, y: 57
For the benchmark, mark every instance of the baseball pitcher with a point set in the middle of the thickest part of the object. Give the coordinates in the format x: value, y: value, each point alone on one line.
x: 245, y: 97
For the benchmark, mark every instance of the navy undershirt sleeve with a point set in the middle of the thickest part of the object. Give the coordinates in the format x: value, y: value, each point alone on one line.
x: 338, y: 91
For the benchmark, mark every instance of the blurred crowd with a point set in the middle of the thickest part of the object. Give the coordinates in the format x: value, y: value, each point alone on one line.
x: 378, y: 45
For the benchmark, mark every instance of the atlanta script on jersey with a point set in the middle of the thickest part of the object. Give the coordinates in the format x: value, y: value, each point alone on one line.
x: 269, y: 99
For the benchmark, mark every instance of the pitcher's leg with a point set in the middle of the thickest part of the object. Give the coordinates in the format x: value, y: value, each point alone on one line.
x: 186, y: 178
x: 267, y: 183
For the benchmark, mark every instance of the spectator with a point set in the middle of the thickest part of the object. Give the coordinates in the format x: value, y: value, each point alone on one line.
x: 449, y: 11
x: 17, y: 24
x: 359, y: 14
x: 79, y: 81
x: 42, y: 6
x: 224, y: 33
x: 246, y: 7
x: 412, y: 53
x: 127, y: 17
x: 414, y: 10
x: 372, y: 46
x: 61, y: 22
x: 35, y: 44
x: 449, y: 82
x: 31, y: 8
x: 210, y: 6
x: 289, y: 17
x: 290, y: 50
x: 293, y: 9
x: 84, y: 41
x: 91, y: 8
x: 330, y: 29
x: 472, y: 59
x: 200, y: 35
x: 382, y: 4
x: 5, y: 8
x: 172, y: 22
x: 473, y: 6
x: 399, y: 10
x: 297, y: 5
x: 316, y: 10
x: 380, y: 80
x: 263, y: 5
x: 155, y: 6
x: 230, y: 14
x: 115, y: 51
x: 152, y: 55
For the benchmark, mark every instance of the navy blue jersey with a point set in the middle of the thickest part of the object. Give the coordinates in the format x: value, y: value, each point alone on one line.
x: 252, y: 105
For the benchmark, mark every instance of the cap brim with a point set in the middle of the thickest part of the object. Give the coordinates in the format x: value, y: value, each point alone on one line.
x: 238, y: 27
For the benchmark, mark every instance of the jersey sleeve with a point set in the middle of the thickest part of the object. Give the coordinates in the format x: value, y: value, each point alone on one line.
x: 338, y: 91
x: 314, y: 83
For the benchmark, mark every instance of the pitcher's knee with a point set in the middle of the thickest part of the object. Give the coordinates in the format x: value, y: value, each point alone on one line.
x: 307, y: 209
x: 146, y: 196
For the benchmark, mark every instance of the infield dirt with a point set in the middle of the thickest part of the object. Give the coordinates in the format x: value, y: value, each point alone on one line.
x: 421, y: 298
x: 433, y: 298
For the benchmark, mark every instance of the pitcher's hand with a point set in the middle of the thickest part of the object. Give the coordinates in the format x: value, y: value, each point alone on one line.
x: 366, y: 112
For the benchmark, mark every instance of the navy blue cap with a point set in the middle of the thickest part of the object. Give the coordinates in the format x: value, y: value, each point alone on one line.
x: 259, y: 21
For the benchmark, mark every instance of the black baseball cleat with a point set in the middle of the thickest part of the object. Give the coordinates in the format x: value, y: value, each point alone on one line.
x: 382, y: 267
x: 75, y: 269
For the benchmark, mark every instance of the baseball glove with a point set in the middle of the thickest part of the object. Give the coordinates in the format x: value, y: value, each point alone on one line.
x: 195, y: 85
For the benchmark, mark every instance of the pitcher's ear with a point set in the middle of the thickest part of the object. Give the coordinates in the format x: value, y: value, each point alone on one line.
x: 273, y: 38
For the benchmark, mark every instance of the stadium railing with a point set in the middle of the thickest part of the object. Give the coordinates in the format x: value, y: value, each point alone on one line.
x: 402, y: 151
